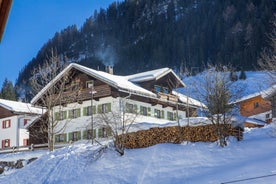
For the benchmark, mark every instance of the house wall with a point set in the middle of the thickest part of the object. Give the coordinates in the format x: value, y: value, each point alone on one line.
x: 16, y: 133
x: 253, y: 106
x: 82, y: 123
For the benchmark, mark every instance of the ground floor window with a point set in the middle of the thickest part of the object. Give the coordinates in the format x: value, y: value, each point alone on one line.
x: 25, y: 142
x: 6, y: 143
x: 75, y: 136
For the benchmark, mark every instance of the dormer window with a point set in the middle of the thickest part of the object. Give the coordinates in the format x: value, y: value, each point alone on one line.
x: 165, y: 90
x: 157, y: 88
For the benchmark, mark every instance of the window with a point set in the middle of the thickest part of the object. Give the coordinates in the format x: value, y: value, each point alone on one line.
x: 88, y: 112
x: 157, y: 89
x: 74, y: 136
x: 60, y: 138
x: 170, y: 116
x: 89, y: 84
x: 157, y: 113
x: 75, y: 86
x: 131, y: 108
x: 6, y: 143
x: 256, y: 105
x: 74, y: 113
x: 60, y: 115
x: 6, y: 123
x: 165, y: 90
x: 143, y: 110
x: 104, y: 108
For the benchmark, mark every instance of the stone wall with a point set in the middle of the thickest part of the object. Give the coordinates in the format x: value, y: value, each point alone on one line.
x: 157, y: 135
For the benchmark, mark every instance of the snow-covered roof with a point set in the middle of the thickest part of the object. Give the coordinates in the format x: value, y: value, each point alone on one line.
x: 152, y: 75
x: 19, y: 107
x: 266, y: 94
x: 188, y: 100
x: 122, y: 83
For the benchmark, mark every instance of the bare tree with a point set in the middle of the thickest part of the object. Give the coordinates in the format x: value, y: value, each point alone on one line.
x: 267, y: 59
x: 53, y: 96
x: 119, y: 120
x: 215, y: 92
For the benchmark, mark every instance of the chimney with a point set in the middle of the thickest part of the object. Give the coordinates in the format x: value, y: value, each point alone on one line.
x: 109, y: 69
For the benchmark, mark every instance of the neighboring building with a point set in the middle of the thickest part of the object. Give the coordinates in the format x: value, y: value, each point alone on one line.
x: 270, y: 94
x: 5, y: 6
x: 256, y: 108
x: 150, y: 94
x: 14, y: 117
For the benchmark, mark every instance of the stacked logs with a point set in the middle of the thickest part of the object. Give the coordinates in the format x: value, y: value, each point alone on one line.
x: 157, y: 135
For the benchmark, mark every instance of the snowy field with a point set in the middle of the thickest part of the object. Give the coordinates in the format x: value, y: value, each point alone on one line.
x: 188, y: 163
x: 164, y: 163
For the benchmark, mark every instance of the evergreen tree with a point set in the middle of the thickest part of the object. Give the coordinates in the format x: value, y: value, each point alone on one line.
x: 8, y: 90
x: 242, y: 75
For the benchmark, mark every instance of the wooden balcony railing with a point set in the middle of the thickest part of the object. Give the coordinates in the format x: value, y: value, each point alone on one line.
x: 85, y: 94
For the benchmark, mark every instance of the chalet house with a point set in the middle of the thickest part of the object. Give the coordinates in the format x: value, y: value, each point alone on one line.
x: 14, y: 117
x: 270, y: 95
x: 148, y: 94
x: 255, y: 107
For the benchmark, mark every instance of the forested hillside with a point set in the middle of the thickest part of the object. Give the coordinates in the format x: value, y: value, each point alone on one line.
x: 138, y: 35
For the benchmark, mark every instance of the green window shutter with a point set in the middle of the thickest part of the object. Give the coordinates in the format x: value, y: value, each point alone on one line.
x: 56, y: 138
x: 64, y: 114
x: 162, y: 114
x: 70, y: 136
x: 70, y: 114
x: 168, y: 115
x: 127, y: 107
x: 99, y: 108
x: 155, y: 113
x: 149, y: 111
x: 56, y: 116
x: 84, y: 134
x: 109, y: 107
x: 64, y: 137
x: 78, y: 112
x: 141, y: 110
x: 84, y: 111
x: 174, y: 116
x: 109, y: 131
x: 100, y: 132
x: 94, y: 133
x: 135, y: 108
x: 79, y: 135
x: 94, y: 109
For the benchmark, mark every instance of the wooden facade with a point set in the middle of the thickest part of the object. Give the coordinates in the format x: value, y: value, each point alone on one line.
x: 254, y: 105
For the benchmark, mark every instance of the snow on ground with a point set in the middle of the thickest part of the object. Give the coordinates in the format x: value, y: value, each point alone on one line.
x: 164, y: 163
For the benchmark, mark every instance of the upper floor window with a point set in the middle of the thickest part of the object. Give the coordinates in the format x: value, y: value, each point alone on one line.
x: 170, y: 116
x: 131, y: 108
x: 61, y: 115
x: 75, y: 86
x: 104, y: 108
x: 75, y: 113
x: 165, y: 90
x: 6, y: 123
x: 90, y: 84
x: 157, y: 88
x: 256, y: 105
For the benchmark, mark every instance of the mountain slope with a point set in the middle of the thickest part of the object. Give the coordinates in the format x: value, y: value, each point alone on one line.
x: 139, y: 35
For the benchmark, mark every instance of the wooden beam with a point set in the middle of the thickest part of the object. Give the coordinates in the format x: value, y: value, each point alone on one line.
x: 5, y: 6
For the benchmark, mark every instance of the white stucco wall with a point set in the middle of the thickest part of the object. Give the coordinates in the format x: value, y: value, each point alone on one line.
x: 17, y: 132
x: 84, y: 122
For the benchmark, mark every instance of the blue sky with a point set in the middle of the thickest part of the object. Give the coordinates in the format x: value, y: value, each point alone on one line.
x: 32, y: 23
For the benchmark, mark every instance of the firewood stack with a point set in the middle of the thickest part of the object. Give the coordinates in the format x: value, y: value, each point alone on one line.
x: 157, y: 135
